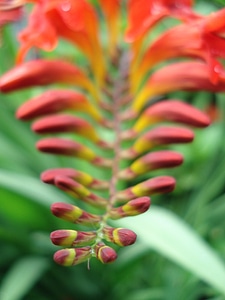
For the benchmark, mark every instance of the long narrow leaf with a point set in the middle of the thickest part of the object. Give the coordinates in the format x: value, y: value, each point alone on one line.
x: 21, y: 277
x: 164, y: 232
x: 31, y: 188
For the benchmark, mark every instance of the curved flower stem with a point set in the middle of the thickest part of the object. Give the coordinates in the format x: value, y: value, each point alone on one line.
x: 117, y: 94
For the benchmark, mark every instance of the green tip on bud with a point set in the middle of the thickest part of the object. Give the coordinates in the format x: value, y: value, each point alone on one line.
x: 105, y: 253
x: 71, y: 257
x: 119, y: 236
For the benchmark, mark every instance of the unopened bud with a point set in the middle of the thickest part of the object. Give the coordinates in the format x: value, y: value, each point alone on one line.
x: 54, y: 101
x: 42, y: 72
x: 172, y: 111
x: 72, y: 238
x: 156, y: 185
x: 132, y: 208
x: 157, y: 137
x: 81, y: 177
x: 71, y: 148
x: 78, y: 190
x: 71, y: 257
x: 74, y: 214
x: 152, y: 161
x: 105, y: 253
x: 119, y: 236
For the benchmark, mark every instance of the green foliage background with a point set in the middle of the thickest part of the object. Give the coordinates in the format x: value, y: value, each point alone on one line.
x: 180, y: 252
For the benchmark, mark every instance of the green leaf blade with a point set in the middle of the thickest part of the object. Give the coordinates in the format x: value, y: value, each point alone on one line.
x: 176, y: 240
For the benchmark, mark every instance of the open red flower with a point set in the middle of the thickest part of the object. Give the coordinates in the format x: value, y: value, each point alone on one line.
x: 74, y: 21
x: 204, y: 42
x: 147, y: 13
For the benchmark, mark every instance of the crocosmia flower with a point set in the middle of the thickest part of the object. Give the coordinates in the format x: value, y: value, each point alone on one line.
x: 111, y: 106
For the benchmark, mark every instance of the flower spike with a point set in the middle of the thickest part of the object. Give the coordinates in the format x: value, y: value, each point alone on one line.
x: 111, y: 108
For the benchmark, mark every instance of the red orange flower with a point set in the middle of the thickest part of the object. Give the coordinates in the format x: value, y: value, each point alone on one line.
x: 117, y: 94
x: 75, y: 21
x: 147, y: 13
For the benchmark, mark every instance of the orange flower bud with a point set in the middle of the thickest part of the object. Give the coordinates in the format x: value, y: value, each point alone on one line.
x: 188, y: 76
x: 172, y: 111
x: 43, y: 72
x: 54, y: 101
x: 68, y: 123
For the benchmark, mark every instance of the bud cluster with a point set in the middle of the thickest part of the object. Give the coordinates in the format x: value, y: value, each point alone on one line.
x: 111, y: 118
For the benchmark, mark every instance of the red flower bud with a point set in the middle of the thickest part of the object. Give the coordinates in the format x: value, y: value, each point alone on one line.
x: 42, y: 72
x: 119, y: 236
x: 74, y: 214
x: 172, y: 111
x: 132, y: 208
x: 156, y: 185
x: 71, y: 148
x: 152, y: 161
x: 81, y: 177
x: 54, y: 101
x: 72, y: 238
x: 105, y: 253
x: 77, y: 190
x: 71, y: 257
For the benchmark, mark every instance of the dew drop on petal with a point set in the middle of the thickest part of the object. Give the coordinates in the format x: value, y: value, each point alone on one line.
x: 66, y: 6
x: 217, y: 69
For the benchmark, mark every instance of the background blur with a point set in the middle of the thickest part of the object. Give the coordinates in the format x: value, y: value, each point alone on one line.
x: 180, y: 252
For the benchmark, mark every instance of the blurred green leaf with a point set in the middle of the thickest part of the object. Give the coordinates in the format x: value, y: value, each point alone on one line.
x: 164, y: 232
x: 31, y: 188
x: 21, y: 277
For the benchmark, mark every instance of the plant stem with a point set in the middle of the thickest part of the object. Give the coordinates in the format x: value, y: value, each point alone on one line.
x: 119, y: 86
